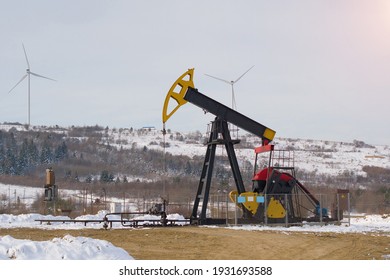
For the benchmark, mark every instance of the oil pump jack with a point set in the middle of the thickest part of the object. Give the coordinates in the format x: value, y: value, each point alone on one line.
x: 267, y: 200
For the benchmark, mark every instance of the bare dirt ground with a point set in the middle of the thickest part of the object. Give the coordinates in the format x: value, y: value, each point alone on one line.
x: 201, y: 243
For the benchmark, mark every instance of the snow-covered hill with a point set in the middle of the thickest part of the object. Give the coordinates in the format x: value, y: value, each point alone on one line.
x: 319, y: 156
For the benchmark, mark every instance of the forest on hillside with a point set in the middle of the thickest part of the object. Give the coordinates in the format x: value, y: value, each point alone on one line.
x: 85, y: 157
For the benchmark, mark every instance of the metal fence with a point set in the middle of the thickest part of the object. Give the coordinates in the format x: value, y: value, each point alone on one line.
x: 298, y: 209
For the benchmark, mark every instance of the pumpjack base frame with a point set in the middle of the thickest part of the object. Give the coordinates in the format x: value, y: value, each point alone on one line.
x: 219, y: 127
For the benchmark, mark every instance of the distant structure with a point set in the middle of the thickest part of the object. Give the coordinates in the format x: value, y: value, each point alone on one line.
x: 234, y: 106
x: 149, y: 128
x: 51, y: 189
x: 28, y: 73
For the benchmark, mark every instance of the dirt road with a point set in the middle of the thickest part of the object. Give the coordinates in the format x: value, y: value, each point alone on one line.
x: 192, y: 243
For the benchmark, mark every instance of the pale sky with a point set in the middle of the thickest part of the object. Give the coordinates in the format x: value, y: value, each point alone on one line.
x: 320, y: 67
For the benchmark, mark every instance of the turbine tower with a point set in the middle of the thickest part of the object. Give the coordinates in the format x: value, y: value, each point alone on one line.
x: 234, y: 107
x: 28, y: 74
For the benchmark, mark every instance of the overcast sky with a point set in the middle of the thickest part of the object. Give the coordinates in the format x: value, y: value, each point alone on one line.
x: 321, y: 68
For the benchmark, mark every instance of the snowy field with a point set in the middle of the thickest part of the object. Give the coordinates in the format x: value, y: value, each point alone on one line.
x: 82, y: 248
x: 66, y: 248
x: 26, y: 195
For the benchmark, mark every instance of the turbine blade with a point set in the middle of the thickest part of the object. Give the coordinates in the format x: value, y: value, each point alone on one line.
x: 219, y: 79
x: 24, y: 77
x: 243, y: 74
x: 25, y: 55
x: 40, y: 76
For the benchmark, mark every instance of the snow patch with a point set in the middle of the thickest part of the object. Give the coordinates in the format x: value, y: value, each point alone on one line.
x: 66, y: 248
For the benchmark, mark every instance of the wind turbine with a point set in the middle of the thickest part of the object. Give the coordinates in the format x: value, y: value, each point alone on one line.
x: 232, y: 84
x: 28, y: 74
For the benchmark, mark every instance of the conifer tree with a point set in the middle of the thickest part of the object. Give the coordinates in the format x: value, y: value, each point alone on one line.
x: 46, y: 154
x: 33, y: 153
x: 23, y: 159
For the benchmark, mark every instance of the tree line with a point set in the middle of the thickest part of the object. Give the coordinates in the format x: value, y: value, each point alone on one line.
x: 18, y: 157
